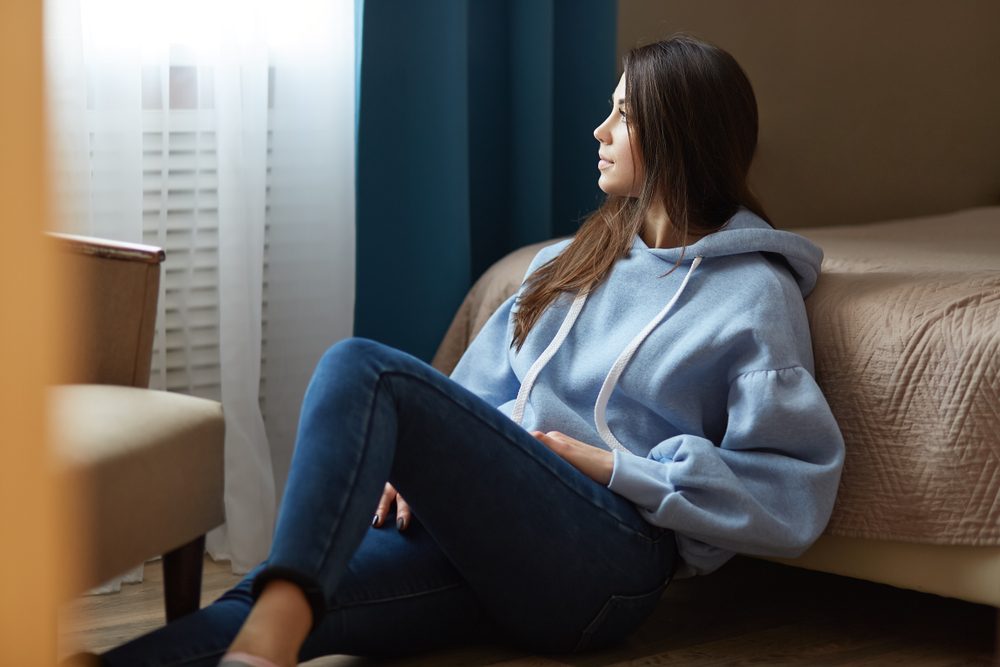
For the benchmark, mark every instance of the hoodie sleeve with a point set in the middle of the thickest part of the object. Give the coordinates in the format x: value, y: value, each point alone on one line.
x: 484, y: 368
x: 767, y: 489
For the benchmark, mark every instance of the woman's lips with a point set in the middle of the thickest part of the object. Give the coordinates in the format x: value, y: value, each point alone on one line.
x: 604, y: 164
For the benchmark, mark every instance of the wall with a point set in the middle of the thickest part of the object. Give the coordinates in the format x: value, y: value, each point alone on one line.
x: 869, y: 110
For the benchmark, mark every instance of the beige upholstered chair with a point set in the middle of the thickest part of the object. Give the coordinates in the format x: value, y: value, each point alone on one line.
x: 148, y: 464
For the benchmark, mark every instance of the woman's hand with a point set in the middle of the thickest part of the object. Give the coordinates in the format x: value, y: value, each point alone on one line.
x: 594, y: 462
x: 402, y: 508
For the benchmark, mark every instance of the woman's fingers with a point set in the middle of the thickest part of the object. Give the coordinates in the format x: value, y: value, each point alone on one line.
x: 596, y: 463
x: 402, y: 513
x: 382, y: 511
x: 554, y: 440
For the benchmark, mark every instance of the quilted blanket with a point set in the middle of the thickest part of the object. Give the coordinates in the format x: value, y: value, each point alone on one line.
x: 905, y: 322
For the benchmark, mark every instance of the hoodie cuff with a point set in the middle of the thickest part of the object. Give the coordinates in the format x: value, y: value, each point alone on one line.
x: 641, y: 480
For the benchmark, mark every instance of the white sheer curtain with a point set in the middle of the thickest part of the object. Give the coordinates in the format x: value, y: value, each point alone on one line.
x: 224, y: 132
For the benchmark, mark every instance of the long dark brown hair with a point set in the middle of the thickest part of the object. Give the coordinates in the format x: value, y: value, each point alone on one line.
x: 693, y: 116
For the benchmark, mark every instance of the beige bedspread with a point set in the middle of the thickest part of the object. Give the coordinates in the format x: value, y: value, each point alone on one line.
x: 906, y: 332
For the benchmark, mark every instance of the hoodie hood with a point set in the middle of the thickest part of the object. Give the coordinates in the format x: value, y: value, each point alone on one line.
x: 746, y: 232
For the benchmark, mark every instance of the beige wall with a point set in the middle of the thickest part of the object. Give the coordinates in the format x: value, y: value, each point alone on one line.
x: 33, y: 553
x: 869, y: 110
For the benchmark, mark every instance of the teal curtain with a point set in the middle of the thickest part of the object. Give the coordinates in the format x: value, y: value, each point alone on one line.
x: 474, y: 138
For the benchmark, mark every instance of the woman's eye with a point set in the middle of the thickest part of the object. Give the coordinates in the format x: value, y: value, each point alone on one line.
x: 621, y: 112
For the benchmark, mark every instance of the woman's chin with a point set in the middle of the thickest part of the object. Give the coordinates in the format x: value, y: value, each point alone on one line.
x: 610, y: 189
x: 606, y: 187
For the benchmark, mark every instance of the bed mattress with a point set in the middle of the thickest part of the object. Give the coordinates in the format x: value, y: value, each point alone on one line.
x: 906, y: 332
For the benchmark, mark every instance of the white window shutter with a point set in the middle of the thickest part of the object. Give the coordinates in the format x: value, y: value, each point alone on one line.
x: 180, y: 215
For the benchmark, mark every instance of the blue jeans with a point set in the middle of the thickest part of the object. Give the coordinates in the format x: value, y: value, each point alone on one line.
x: 508, y: 541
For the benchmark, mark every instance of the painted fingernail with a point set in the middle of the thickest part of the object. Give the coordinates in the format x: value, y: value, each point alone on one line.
x: 400, y: 524
x: 375, y: 520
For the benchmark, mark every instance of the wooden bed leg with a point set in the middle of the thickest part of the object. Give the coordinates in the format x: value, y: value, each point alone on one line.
x: 182, y: 578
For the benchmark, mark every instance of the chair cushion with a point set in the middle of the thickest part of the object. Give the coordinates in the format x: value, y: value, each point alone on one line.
x: 150, y: 463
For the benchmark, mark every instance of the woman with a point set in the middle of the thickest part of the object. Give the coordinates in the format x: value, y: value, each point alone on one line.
x: 643, y: 407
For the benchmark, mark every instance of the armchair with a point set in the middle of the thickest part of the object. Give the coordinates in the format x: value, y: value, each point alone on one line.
x: 148, y: 464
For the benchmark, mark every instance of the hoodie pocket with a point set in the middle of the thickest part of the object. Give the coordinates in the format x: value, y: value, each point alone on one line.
x: 619, y: 617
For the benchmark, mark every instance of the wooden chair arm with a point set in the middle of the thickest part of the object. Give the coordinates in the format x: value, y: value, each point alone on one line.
x: 117, y: 286
x: 107, y: 249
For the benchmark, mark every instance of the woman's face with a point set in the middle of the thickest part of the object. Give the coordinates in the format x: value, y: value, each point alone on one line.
x: 621, y: 173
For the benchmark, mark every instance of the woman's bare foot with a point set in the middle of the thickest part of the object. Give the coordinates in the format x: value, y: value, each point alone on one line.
x: 277, y: 624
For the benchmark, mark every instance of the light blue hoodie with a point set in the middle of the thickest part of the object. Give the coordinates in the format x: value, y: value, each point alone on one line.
x: 700, y: 382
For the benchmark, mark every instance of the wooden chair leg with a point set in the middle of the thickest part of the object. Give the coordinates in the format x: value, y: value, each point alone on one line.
x: 182, y: 578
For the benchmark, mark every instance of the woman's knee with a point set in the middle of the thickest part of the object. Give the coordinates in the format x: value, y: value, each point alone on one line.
x: 354, y: 347
x: 365, y: 356
x: 352, y: 354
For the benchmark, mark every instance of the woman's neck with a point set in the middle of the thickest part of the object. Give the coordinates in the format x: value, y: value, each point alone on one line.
x: 659, y: 232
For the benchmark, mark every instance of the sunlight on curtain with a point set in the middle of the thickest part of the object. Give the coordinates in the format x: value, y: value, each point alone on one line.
x: 223, y: 132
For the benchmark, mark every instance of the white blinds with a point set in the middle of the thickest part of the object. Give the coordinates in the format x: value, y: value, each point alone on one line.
x: 180, y: 214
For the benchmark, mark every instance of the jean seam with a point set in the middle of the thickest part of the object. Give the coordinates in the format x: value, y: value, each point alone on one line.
x: 552, y: 472
x: 589, y: 631
x: 361, y: 603
x: 357, y: 467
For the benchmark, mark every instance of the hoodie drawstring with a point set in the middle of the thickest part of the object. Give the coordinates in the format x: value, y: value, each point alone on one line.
x: 617, y: 368
x: 600, y: 419
x: 536, y: 368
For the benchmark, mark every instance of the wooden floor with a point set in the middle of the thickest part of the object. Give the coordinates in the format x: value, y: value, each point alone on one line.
x: 749, y: 613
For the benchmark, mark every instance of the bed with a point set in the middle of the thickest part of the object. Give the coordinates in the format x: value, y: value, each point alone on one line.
x: 906, y: 333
